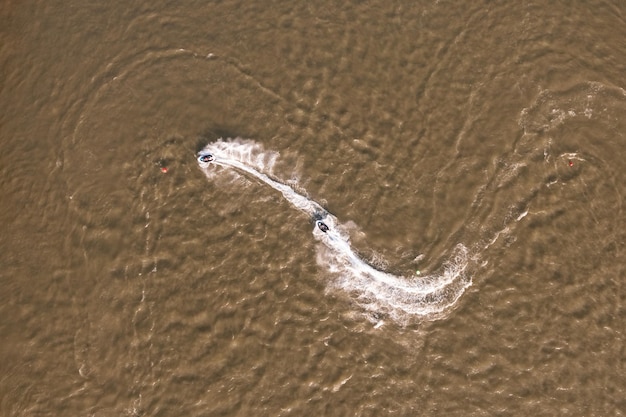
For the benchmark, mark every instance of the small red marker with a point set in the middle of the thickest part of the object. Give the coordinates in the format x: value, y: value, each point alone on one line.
x: 164, y: 170
x: 570, y: 163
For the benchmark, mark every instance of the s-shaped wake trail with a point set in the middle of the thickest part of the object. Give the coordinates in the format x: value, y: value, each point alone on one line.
x: 378, y: 292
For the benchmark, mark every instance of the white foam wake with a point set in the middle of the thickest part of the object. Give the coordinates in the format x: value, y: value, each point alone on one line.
x: 379, y: 292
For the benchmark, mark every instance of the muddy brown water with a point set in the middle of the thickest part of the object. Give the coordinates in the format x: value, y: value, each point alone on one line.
x: 422, y: 126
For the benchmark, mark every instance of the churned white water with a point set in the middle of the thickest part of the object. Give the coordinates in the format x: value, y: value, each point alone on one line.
x: 379, y: 292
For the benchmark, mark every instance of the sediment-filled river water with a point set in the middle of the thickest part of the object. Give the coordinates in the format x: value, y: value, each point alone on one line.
x: 410, y: 208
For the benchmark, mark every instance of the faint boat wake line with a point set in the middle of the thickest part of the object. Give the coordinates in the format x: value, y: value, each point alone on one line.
x: 377, y: 291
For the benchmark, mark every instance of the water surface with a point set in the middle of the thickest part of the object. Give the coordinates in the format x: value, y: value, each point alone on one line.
x: 422, y: 128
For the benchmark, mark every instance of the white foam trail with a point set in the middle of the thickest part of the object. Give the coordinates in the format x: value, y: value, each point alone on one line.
x: 379, y: 292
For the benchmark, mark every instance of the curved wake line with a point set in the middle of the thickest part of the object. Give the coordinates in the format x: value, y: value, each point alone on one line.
x: 379, y: 292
